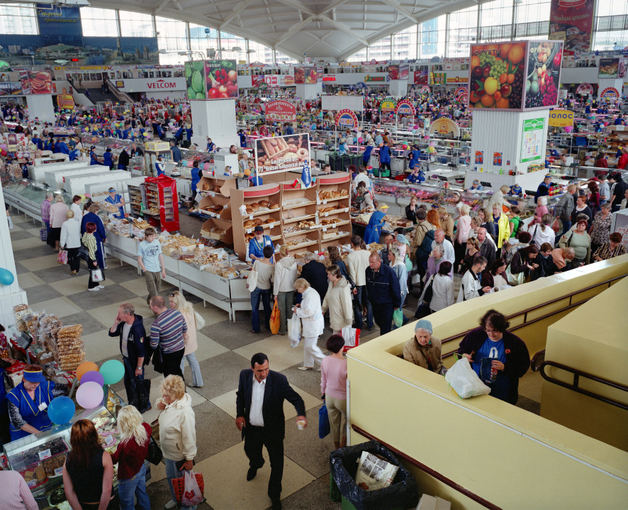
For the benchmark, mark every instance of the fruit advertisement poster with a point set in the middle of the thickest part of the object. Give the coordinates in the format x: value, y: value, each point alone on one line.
x: 571, y: 21
x: 305, y: 75
x: 543, y: 74
x: 195, y: 79
x: 497, y: 75
x: 532, y: 136
x: 281, y: 153
x: 222, y: 79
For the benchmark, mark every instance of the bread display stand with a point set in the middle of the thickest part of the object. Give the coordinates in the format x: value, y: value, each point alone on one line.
x: 334, y: 209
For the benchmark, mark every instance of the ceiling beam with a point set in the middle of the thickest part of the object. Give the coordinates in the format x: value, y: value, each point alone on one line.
x: 400, y: 9
x: 297, y: 5
x: 236, y: 12
x: 161, y: 5
x: 344, y: 28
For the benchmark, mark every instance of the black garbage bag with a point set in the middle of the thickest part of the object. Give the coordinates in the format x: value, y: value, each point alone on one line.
x: 402, y: 493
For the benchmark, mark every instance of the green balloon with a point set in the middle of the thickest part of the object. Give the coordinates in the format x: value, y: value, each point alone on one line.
x: 112, y: 371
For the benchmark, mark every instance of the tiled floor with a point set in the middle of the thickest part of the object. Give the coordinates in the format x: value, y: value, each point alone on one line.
x: 224, y: 349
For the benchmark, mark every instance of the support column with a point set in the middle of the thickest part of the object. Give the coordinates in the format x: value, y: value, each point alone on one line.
x: 40, y: 106
x: 309, y: 91
x: 505, y: 145
x: 215, y: 119
x: 398, y: 88
x: 10, y: 295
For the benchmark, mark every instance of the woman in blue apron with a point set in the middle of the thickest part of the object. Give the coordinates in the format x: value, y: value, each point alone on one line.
x: 116, y: 200
x: 28, y: 404
x: 373, y: 230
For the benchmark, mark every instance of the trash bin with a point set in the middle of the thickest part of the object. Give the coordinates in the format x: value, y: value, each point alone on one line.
x: 401, y: 494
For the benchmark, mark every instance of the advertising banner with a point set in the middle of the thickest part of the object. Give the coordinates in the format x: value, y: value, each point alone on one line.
x: 305, y: 75
x: 281, y: 153
x: 571, y: 21
x: 541, y: 87
x: 56, y: 20
x: 372, y: 79
x: 405, y: 107
x: 609, y: 68
x: 281, y: 111
x: 404, y: 71
x: 256, y: 80
x: 497, y: 75
x: 36, y: 82
x: 561, y: 118
x: 194, y: 72
x: 532, y: 140
x: 222, y: 79
x: 438, y: 78
x: 65, y: 101
x: 393, y: 72
x: 420, y: 75
x: 279, y: 80
x: 444, y: 126
x: 610, y: 93
x: 346, y: 119
x: 585, y: 89
x: 151, y: 84
x: 10, y: 88
x: 388, y: 104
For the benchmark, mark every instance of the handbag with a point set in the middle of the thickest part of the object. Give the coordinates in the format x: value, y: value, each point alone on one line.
x: 200, y: 322
x: 251, y: 280
x: 97, y: 275
x: 428, y: 293
x: 275, y: 317
x: 43, y: 233
x: 154, y: 454
x: 323, y: 422
x: 189, y: 488
x: 62, y: 257
x: 158, y: 360
x: 83, y: 253
x: 515, y: 279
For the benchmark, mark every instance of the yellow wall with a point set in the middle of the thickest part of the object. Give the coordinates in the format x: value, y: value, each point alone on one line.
x: 593, y: 339
x: 502, y: 453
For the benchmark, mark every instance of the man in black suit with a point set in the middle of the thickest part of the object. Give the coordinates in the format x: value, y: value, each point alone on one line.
x: 260, y: 418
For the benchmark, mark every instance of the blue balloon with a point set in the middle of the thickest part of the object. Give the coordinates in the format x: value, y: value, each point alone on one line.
x: 61, y: 410
x: 6, y: 276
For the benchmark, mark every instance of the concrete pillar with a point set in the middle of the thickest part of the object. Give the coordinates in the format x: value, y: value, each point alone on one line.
x: 40, y: 106
x: 215, y: 119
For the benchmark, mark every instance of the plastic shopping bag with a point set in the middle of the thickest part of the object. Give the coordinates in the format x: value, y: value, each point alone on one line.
x: 294, y: 330
x: 323, y: 422
x: 465, y: 382
x: 398, y: 317
x: 351, y: 336
x: 274, y: 319
x: 97, y: 275
x: 62, y: 257
x: 192, y: 494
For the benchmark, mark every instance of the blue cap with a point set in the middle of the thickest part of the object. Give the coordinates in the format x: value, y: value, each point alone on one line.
x: 424, y: 324
x: 34, y: 376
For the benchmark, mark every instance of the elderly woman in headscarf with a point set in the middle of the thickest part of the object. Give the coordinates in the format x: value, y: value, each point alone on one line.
x: 423, y: 349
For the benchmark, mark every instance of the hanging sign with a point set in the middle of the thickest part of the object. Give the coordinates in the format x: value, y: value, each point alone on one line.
x: 445, y: 126
x: 388, y: 104
x: 346, y: 119
x: 281, y: 153
x: 459, y: 92
x: 572, y: 21
x: 609, y: 93
x: 585, y: 89
x: 561, y: 118
x: 281, y: 111
x: 425, y: 89
x: 405, y: 107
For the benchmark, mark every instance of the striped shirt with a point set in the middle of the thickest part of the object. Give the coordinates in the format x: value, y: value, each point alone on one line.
x: 167, y: 331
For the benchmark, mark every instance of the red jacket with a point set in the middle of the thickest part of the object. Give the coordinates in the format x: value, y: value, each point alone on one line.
x: 130, y: 456
x: 623, y: 161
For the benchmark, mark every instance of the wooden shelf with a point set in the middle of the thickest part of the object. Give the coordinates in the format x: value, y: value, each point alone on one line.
x: 298, y: 218
x: 300, y: 204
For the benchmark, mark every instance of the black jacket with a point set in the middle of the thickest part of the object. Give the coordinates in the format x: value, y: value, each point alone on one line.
x: 277, y: 390
x: 383, y: 287
x: 123, y: 159
x: 517, y: 356
x: 316, y: 275
x: 135, y: 342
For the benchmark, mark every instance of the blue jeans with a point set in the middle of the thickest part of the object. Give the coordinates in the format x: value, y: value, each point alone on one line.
x: 171, y: 473
x: 256, y: 296
x: 136, y: 486
x: 197, y: 377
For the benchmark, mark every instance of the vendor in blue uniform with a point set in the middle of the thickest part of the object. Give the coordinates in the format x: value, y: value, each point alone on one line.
x: 257, y: 243
x: 29, y: 401
x: 93, y: 159
x: 515, y: 190
x: 543, y: 189
x: 476, y: 186
x: 196, y: 177
x: 211, y: 146
x: 373, y: 230
x: 107, y: 158
x: 417, y: 176
x: 415, y: 155
x: 116, y: 199
x: 159, y: 166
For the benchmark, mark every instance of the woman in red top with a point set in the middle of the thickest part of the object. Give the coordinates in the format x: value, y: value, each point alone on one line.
x: 130, y: 456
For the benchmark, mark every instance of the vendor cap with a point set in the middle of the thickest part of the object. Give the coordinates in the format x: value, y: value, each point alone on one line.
x: 112, y: 190
x: 34, y: 376
x: 424, y: 324
x: 259, y: 228
x: 383, y: 207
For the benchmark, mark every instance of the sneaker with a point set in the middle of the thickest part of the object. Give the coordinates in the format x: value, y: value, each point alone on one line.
x: 93, y: 289
x: 171, y: 504
x: 101, y: 286
x: 304, y: 368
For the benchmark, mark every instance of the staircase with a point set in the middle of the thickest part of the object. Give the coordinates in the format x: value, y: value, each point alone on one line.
x: 97, y: 95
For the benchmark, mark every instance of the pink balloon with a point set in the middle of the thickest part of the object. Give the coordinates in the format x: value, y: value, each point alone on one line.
x: 89, y: 395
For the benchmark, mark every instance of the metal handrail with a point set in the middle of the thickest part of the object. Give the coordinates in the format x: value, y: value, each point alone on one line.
x: 574, y: 386
x: 526, y: 311
x: 429, y: 470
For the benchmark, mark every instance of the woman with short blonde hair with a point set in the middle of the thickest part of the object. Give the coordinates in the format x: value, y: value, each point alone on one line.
x: 130, y: 457
x: 177, y: 301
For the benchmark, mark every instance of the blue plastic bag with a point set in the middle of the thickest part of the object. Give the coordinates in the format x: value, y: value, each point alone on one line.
x: 323, y: 422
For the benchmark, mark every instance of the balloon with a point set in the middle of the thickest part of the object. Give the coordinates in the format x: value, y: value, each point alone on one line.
x: 6, y: 277
x: 86, y: 366
x: 112, y: 371
x: 89, y: 395
x: 61, y: 410
x: 93, y: 376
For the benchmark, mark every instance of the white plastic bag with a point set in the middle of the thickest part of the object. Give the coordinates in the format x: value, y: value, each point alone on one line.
x: 200, y: 322
x: 192, y: 494
x: 349, y: 333
x: 97, y: 275
x: 294, y: 330
x: 465, y: 382
x: 251, y: 280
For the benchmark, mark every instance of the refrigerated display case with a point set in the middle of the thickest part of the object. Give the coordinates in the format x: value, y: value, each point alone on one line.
x: 162, y: 202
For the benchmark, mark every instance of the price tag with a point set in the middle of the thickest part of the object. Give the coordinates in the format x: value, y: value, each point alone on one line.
x: 44, y: 454
x: 324, y: 202
x: 249, y: 231
x: 250, y: 217
x: 59, y: 471
x: 324, y: 229
x: 212, y: 193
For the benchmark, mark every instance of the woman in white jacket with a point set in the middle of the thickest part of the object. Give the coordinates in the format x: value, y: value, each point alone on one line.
x: 543, y: 232
x: 178, y: 302
x: 283, y: 287
x: 470, y: 286
x: 177, y: 431
x: 338, y: 300
x: 313, y: 323
x: 70, y: 240
x: 442, y: 288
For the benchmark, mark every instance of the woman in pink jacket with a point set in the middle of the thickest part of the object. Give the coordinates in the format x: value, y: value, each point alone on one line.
x: 334, y: 389
x: 58, y: 211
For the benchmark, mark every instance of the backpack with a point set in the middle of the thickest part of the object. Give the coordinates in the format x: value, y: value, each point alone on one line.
x: 425, y: 248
